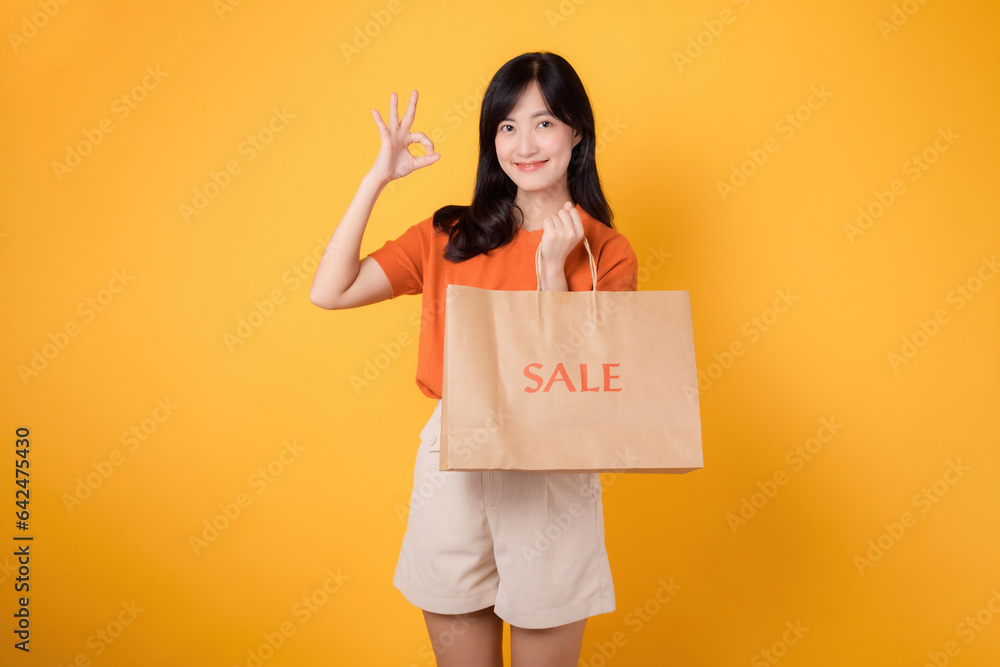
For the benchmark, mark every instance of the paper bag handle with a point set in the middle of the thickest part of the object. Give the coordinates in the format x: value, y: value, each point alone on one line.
x: 593, y: 265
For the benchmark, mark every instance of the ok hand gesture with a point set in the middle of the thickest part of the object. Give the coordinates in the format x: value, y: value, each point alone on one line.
x: 394, y: 158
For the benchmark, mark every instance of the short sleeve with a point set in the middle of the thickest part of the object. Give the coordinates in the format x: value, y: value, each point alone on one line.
x: 402, y: 260
x: 617, y: 266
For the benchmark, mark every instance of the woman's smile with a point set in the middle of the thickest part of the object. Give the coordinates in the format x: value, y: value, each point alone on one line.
x: 530, y: 166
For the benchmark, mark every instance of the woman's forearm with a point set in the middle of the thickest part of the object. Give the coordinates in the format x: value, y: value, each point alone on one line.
x: 554, y: 280
x: 339, y: 265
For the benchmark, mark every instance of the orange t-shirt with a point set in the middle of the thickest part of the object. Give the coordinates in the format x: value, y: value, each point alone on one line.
x: 414, y: 263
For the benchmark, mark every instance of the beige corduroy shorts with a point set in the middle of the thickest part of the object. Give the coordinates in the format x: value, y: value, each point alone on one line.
x: 529, y: 543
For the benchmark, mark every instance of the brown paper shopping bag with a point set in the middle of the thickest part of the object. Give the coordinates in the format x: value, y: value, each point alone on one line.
x: 569, y: 381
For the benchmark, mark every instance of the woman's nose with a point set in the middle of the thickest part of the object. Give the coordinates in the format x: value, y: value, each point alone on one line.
x: 526, y: 144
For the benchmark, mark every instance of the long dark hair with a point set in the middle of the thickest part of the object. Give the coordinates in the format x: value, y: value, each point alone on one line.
x: 488, y: 222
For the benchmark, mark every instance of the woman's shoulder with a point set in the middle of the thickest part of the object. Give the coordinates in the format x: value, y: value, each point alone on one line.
x: 427, y: 229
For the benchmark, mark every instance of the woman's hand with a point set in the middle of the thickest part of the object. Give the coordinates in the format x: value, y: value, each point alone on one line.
x: 560, y: 234
x: 394, y: 159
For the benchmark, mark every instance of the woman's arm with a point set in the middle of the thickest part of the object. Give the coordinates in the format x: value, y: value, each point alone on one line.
x: 342, y: 280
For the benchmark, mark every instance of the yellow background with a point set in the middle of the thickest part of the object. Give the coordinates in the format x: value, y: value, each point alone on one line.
x: 673, y: 130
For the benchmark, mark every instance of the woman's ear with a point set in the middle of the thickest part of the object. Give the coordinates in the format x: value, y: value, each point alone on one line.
x: 577, y: 137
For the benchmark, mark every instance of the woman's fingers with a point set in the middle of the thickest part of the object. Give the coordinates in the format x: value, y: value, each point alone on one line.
x: 411, y: 111
x: 396, y: 136
x: 425, y: 160
x: 573, y: 224
x: 424, y: 141
x: 393, y: 113
x: 565, y: 229
x: 577, y: 222
x: 395, y: 122
x: 568, y: 224
x: 379, y: 122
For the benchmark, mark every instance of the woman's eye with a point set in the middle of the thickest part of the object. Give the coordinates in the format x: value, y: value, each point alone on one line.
x: 546, y: 123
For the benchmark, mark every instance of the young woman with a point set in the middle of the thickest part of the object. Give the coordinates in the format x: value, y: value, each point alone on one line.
x: 484, y: 547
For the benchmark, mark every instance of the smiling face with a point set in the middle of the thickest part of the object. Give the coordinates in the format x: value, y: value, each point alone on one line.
x: 534, y: 147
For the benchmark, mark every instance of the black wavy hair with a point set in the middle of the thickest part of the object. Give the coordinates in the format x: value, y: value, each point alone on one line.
x: 489, y: 222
